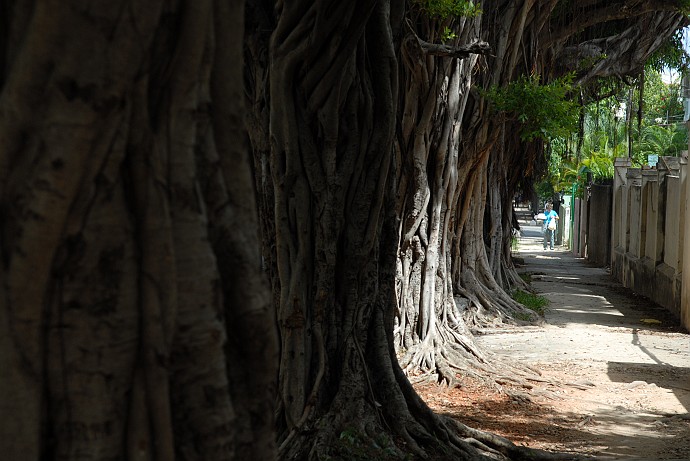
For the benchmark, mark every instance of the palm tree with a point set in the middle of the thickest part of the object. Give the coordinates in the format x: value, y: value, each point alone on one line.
x: 661, y: 140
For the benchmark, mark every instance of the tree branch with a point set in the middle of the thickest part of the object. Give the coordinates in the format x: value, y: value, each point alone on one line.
x: 461, y: 51
x: 439, y: 49
x: 605, y: 11
x: 621, y: 54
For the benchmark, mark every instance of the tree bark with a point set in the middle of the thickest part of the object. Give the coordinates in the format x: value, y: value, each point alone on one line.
x: 331, y: 123
x: 132, y: 302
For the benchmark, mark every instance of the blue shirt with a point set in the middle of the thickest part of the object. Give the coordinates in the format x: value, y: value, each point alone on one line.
x: 549, y: 216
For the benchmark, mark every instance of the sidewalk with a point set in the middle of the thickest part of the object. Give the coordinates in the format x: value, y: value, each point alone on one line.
x: 632, y: 351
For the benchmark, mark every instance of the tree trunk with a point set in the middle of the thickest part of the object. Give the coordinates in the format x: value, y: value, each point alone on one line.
x: 429, y: 324
x: 133, y: 305
x: 322, y: 129
x: 454, y: 251
x: 460, y: 166
x: 331, y: 116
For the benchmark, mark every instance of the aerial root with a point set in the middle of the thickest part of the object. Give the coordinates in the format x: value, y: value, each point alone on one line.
x: 444, y: 364
x: 519, y: 382
x: 582, y: 385
x: 481, y: 446
x: 497, y: 444
x: 426, y: 377
x: 445, y: 372
x: 413, y: 433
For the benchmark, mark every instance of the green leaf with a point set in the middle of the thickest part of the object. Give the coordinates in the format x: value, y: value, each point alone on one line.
x: 449, y: 8
x: 545, y: 111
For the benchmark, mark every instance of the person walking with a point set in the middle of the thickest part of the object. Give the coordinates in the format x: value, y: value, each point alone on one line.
x: 550, y: 225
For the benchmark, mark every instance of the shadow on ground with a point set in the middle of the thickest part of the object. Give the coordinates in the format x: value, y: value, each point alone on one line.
x: 673, y: 378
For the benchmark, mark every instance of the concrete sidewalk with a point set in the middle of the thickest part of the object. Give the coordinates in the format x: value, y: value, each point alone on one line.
x: 633, y: 351
x: 583, y: 296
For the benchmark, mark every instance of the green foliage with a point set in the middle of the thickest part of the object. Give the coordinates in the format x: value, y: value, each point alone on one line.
x: 662, y: 101
x: 672, y: 53
x: 589, y: 62
x: 523, y: 316
x: 662, y: 140
x: 563, y: 172
x: 354, y: 445
x: 526, y: 277
x: 544, y: 190
x: 350, y: 436
x: 449, y: 8
x: 544, y: 111
x: 448, y: 34
x: 531, y: 301
x: 606, y: 134
x: 600, y: 164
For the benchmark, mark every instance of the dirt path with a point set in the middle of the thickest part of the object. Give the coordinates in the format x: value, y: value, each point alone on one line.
x: 629, y: 354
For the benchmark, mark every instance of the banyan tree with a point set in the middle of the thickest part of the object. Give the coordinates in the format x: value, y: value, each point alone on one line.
x: 385, y: 175
x: 145, y: 146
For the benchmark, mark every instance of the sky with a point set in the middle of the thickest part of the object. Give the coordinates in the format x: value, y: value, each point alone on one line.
x: 670, y: 75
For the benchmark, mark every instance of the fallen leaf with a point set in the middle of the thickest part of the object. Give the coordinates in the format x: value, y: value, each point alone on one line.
x: 651, y: 321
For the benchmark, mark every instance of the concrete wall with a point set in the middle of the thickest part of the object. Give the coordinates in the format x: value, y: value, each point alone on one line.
x: 579, y: 234
x: 685, y: 274
x: 652, y: 232
x: 619, y: 228
x: 648, y: 231
x: 672, y: 225
x: 564, y: 224
x: 599, y: 225
x: 575, y: 246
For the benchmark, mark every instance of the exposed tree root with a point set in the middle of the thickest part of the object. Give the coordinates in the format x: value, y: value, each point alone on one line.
x: 382, y: 417
x: 456, y: 355
x: 504, y: 446
x: 360, y: 433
